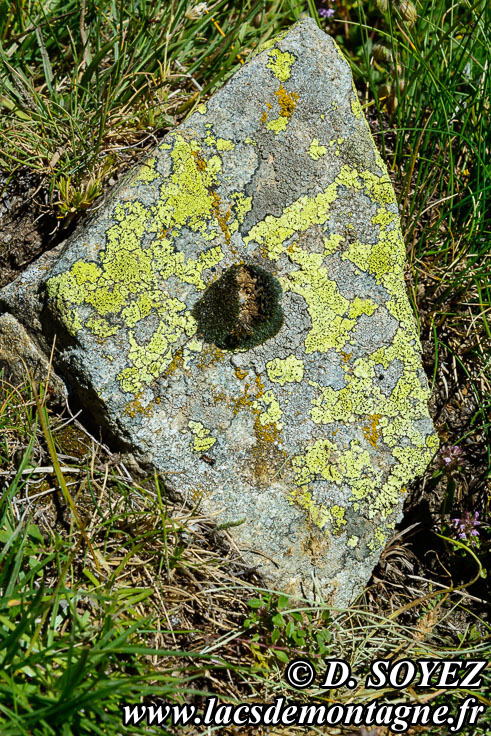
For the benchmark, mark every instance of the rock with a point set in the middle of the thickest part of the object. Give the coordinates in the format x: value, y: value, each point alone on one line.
x: 239, y: 311
x: 21, y: 359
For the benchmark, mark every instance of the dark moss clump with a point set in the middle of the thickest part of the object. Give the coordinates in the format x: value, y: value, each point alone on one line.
x: 241, y: 309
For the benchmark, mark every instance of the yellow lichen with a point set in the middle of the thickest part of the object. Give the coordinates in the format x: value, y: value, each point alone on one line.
x: 286, y: 370
x: 278, y: 125
x: 355, y: 106
x: 123, y: 287
x: 318, y: 513
x: 280, y: 63
x: 316, y: 150
x: 361, y: 306
x: 146, y: 171
x: 202, y: 437
x: 318, y: 461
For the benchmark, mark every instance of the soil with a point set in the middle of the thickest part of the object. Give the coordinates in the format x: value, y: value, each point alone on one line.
x: 28, y: 225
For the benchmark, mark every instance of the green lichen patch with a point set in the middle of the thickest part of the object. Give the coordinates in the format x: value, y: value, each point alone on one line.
x: 287, y: 370
x: 316, y: 150
x: 280, y: 63
x: 203, y: 440
x: 124, y: 286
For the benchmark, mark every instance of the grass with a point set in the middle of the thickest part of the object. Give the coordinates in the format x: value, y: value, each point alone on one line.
x: 82, y: 620
x: 81, y: 89
x: 150, y: 613
x: 111, y: 592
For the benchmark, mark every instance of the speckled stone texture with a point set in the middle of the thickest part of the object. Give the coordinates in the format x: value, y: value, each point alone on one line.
x: 309, y: 438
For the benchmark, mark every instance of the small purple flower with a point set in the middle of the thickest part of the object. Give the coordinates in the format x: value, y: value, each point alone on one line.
x: 326, y: 12
x: 450, y: 457
x: 466, y: 526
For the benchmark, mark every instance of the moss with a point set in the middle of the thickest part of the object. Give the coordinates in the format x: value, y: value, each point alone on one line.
x: 241, y: 309
x: 71, y: 441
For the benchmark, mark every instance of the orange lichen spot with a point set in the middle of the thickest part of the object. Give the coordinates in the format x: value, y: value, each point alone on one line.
x: 287, y: 102
x: 209, y: 355
x: 346, y: 356
x: 200, y: 162
x: 259, y: 387
x: 240, y: 373
x: 135, y: 407
x: 268, y: 104
x: 221, y: 219
x: 176, y: 363
x: 242, y: 401
x: 265, y: 432
x: 252, y: 392
x: 371, y: 430
x: 264, y: 117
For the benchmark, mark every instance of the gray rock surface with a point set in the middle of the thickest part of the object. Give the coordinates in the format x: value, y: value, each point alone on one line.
x: 21, y: 359
x: 237, y: 313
